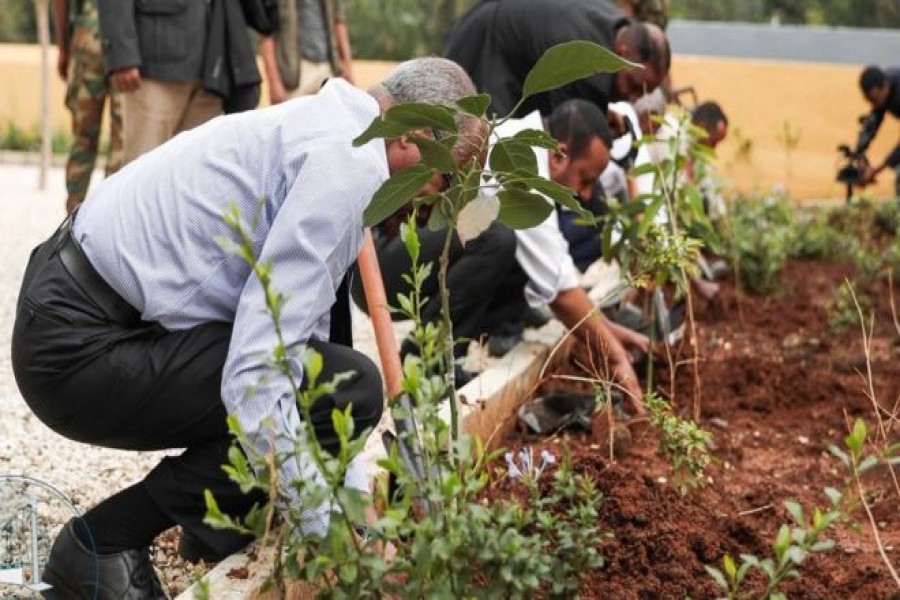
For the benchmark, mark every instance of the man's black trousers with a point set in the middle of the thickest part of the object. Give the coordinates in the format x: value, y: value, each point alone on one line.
x: 487, y: 285
x: 92, y: 371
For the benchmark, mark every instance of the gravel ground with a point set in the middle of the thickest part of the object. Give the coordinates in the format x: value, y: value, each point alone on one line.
x: 87, y: 474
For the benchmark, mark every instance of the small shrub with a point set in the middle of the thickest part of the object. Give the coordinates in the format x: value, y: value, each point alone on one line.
x: 816, y: 239
x: 795, y: 543
x: 14, y: 137
x: 760, y: 240
x: 843, y: 313
x: 682, y: 442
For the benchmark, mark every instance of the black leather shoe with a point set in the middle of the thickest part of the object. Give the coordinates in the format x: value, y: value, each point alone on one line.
x: 77, y: 573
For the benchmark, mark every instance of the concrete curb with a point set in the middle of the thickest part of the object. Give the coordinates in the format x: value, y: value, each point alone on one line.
x: 487, y: 406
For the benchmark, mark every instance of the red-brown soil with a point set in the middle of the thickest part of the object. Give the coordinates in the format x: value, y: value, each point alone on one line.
x: 777, y: 388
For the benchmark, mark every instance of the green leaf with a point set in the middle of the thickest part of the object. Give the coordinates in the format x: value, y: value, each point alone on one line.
x: 437, y: 221
x: 857, y: 437
x: 648, y: 219
x: 644, y: 169
x: 537, y: 137
x: 475, y: 105
x: 561, y: 195
x: 867, y: 464
x: 395, y: 192
x: 840, y: 454
x: 796, y: 554
x: 729, y: 565
x: 795, y: 510
x: 435, y: 154
x: 410, y: 238
x: 717, y: 576
x: 521, y: 210
x: 568, y: 62
x: 379, y: 128
x: 312, y: 366
x: 416, y: 115
x: 783, y: 540
x: 823, y: 546
x: 509, y: 155
x: 834, y: 495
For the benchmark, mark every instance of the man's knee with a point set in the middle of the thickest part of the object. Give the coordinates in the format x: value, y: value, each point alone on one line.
x: 368, y: 398
x: 498, y: 241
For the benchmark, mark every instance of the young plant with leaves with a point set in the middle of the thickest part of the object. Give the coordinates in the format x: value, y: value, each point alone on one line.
x: 683, y: 443
x: 448, y: 543
x: 523, y: 198
x: 795, y: 543
x: 657, y: 237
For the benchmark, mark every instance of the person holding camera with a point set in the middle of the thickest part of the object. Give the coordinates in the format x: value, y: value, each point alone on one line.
x: 881, y: 87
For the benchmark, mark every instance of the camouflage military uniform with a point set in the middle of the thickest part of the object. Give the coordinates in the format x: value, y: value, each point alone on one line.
x: 650, y: 11
x: 88, y: 88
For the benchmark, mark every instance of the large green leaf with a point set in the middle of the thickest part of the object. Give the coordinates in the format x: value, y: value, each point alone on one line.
x: 379, y: 128
x: 568, y: 62
x: 510, y: 154
x: 561, y: 195
x: 521, y: 210
x: 435, y: 154
x: 648, y: 219
x: 395, y: 192
x: 537, y: 137
x: 417, y: 115
x: 475, y: 105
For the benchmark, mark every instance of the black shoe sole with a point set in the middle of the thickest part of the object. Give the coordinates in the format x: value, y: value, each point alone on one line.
x: 60, y: 591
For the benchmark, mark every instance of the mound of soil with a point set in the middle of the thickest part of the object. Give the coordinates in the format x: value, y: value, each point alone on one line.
x: 777, y: 388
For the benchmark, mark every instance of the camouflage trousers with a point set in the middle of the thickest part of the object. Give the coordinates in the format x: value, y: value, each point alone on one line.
x: 86, y: 94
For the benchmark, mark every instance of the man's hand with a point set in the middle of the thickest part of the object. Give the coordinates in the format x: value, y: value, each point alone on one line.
x: 869, y: 174
x: 62, y: 64
x: 347, y: 71
x: 277, y: 93
x: 616, y: 123
x: 127, y: 79
x: 633, y: 339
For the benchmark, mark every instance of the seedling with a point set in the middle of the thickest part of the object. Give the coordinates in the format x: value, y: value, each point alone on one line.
x: 682, y: 442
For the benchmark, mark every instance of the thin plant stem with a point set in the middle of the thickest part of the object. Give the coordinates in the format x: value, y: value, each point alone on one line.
x: 870, y: 385
x: 449, y: 377
x: 654, y: 326
x: 872, y: 525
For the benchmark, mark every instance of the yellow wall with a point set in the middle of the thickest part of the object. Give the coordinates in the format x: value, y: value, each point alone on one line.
x: 821, y: 101
x: 759, y: 97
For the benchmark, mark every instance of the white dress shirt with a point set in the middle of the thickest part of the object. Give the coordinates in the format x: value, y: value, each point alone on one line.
x: 542, y: 251
x: 151, y: 232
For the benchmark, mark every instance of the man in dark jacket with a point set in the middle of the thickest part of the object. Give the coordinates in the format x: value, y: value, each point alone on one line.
x: 882, y: 90
x: 156, y: 53
x: 499, y: 41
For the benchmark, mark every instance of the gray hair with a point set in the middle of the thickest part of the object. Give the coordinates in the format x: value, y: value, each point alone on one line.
x: 433, y: 80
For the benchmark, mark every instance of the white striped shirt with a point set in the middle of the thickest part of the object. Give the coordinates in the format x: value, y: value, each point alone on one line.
x: 151, y: 232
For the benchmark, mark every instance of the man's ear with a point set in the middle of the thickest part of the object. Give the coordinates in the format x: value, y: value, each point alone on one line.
x: 559, y: 158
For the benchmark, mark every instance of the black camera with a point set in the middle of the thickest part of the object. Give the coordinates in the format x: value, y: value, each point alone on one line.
x: 852, y: 171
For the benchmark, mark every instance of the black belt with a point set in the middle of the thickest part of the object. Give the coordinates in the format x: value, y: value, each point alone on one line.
x: 85, y: 275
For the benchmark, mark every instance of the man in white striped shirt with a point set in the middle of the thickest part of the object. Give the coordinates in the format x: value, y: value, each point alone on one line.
x: 135, y: 328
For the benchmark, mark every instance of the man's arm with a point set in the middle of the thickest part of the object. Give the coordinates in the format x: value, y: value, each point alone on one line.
x: 576, y: 312
x: 119, y: 39
x: 61, y: 21
x: 277, y: 93
x: 311, y: 242
x: 342, y: 39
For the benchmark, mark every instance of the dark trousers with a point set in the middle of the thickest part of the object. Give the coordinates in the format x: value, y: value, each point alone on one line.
x: 92, y: 371
x: 487, y: 286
